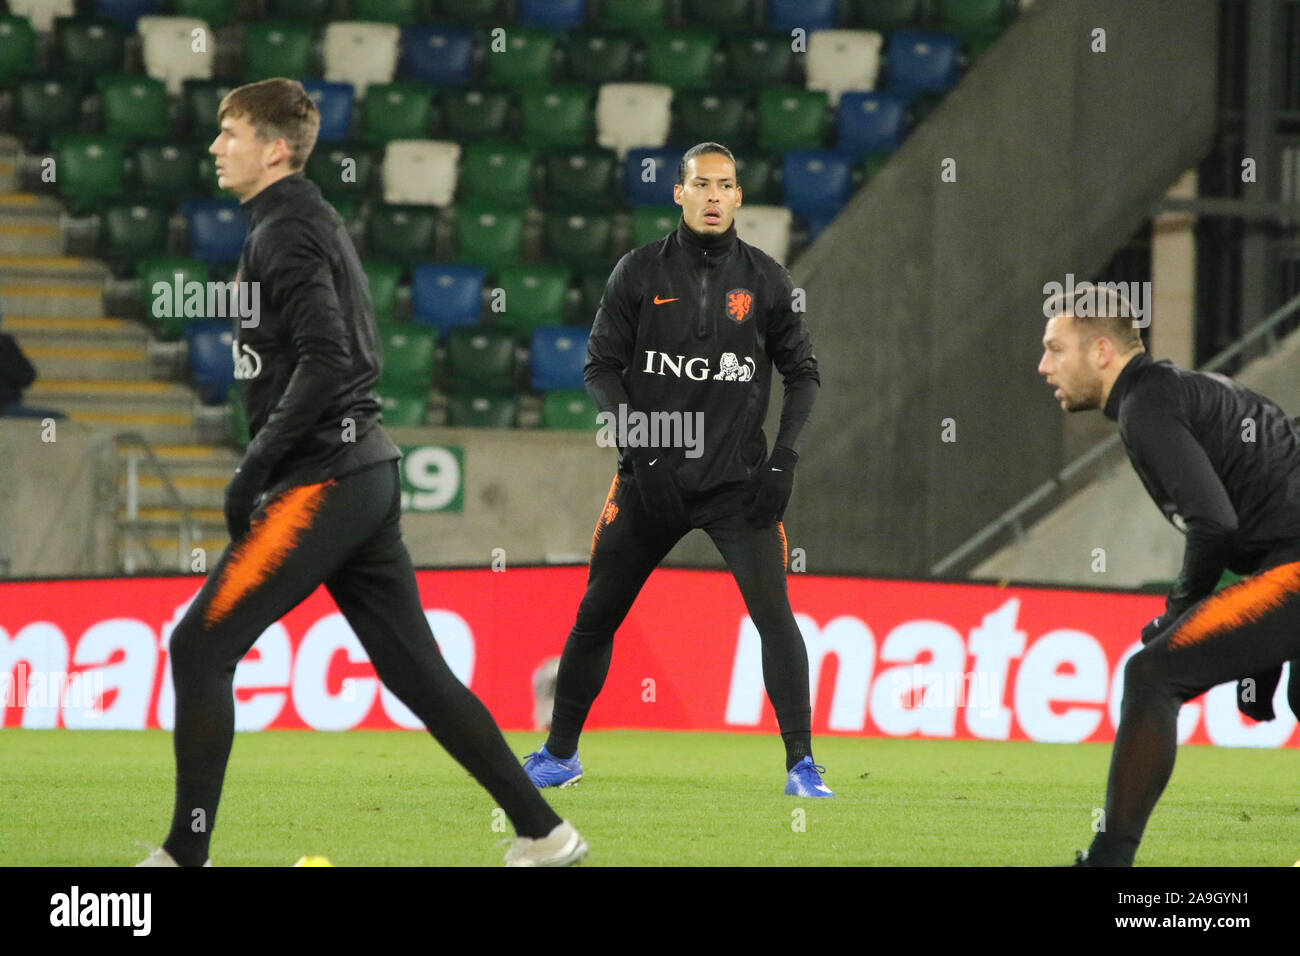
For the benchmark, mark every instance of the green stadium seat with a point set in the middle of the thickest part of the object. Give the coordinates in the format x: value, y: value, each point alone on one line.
x: 591, y: 286
x: 498, y: 174
x: 924, y: 105
x: 720, y: 14
x: 383, y: 278
x: 167, y: 171
x: 975, y: 21
x: 45, y: 105
x: 559, y: 117
x: 403, y: 411
x: 308, y: 11
x: 404, y: 234
x: 873, y: 163
x: 526, y: 60
x: 582, y: 179
x: 534, y: 296
x: 132, y: 231
x: 135, y: 107
x: 489, y: 236
x: 682, y: 59
x: 706, y: 116
x: 471, y: 12
x: 480, y: 358
x: 239, y: 432
x: 470, y: 114
x: 162, y: 269
x: 404, y: 13
x: 758, y: 59
x: 756, y: 174
x: 277, y: 47
x: 652, y: 223
x: 344, y: 170
x: 632, y: 15
x: 569, y: 410
x: 199, y: 102
x: 408, y: 359
x: 791, y: 117
x: 886, y: 16
x: 482, y: 410
x: 87, y: 48
x: 580, y: 240
x: 397, y: 111
x: 601, y: 58
x: 216, y: 13
x: 89, y: 169
x: 17, y: 48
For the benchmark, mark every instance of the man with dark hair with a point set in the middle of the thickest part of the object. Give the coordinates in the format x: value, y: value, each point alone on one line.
x: 686, y: 335
x: 1223, y: 465
x: 316, y: 498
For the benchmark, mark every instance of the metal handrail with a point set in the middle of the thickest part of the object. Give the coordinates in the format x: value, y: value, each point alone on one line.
x: 1010, y: 518
x: 186, y: 526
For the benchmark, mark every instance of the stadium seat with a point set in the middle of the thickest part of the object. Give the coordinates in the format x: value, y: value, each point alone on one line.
x: 403, y: 411
x: 557, y: 357
x: 239, y: 436
x: 840, y: 60
x: 163, y: 311
x: 490, y: 236
x: 125, y: 13
x: 17, y: 48
x: 334, y: 101
x: 481, y: 410
x: 217, y: 229
x: 499, y: 174
x: 649, y: 176
x: 480, y: 358
x: 869, y: 122
x: 816, y: 224
x: 308, y: 11
x: 90, y: 168
x: 41, y: 14
x: 360, y: 53
x: 533, y: 297
x: 215, y: 13
x: 211, y: 361
x: 86, y: 49
x: 581, y: 179
x: 397, y: 111
x: 470, y: 114
x: 767, y: 227
x: 382, y: 277
x: 166, y: 172
x: 402, y: 234
x: 135, y: 107
x: 525, y: 61
x: 682, y: 59
x: 873, y: 163
x: 791, y: 118
x: 978, y: 22
x: 408, y: 359
x: 757, y: 175
x: 704, y: 116
x: 886, y: 16
x: 816, y: 181
x: 277, y: 48
x: 438, y: 55
x: 579, y: 240
x: 472, y: 12
x: 652, y: 223
x: 558, y: 15
x: 447, y: 295
x: 199, y: 102
x: 629, y: 115
x: 420, y: 172
x: 600, y: 58
x: 569, y: 409
x: 403, y: 13
x: 44, y: 105
x: 167, y: 47
x: 720, y: 14
x: 343, y: 170
x: 559, y: 117
x: 922, y: 62
x: 132, y: 231
x: 632, y: 15
x: 758, y: 60
x: 783, y: 16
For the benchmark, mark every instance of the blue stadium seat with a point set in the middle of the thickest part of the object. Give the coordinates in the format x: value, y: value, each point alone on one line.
x: 334, y: 100
x: 446, y: 295
x: 817, y: 182
x: 659, y: 192
x: 922, y: 62
x: 816, y: 224
x: 869, y: 122
x: 557, y: 357
x: 785, y: 15
x: 211, y: 361
x: 125, y: 12
x: 552, y: 14
x: 438, y: 55
x: 217, y: 229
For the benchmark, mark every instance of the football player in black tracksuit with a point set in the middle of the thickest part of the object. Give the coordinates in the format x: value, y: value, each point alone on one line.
x: 316, y: 498
x: 1223, y: 465
x: 691, y: 326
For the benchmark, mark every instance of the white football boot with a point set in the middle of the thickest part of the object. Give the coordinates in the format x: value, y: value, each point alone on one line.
x: 563, y: 846
x: 161, y: 857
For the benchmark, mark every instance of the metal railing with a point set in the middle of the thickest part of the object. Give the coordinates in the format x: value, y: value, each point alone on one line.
x: 1013, y: 518
x: 187, y: 529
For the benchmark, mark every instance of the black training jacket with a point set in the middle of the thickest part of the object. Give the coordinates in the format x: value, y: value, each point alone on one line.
x: 310, y: 362
x: 694, y: 323
x: 1221, y: 462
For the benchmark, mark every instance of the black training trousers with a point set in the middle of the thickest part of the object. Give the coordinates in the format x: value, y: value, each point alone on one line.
x: 344, y: 533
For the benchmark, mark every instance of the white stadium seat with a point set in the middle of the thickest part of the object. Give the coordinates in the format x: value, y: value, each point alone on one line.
x: 629, y: 115
x: 842, y: 60
x: 767, y: 227
x: 420, y: 172
x: 41, y: 13
x: 360, y: 53
x: 167, y: 44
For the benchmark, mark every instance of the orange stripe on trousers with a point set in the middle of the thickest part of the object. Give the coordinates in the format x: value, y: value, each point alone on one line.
x: 608, y: 512
x: 262, y: 551
x: 785, y: 549
x: 1238, y: 605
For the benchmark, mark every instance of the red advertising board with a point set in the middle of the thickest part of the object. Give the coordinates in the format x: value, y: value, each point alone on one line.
x: 887, y: 658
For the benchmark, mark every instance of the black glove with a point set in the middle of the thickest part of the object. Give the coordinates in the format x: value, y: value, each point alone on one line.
x: 652, y: 471
x: 1260, y: 706
x: 768, y: 492
x: 1153, y: 628
x: 242, y: 494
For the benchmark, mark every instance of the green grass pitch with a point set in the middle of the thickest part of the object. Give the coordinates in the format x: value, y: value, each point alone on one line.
x: 392, y: 798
